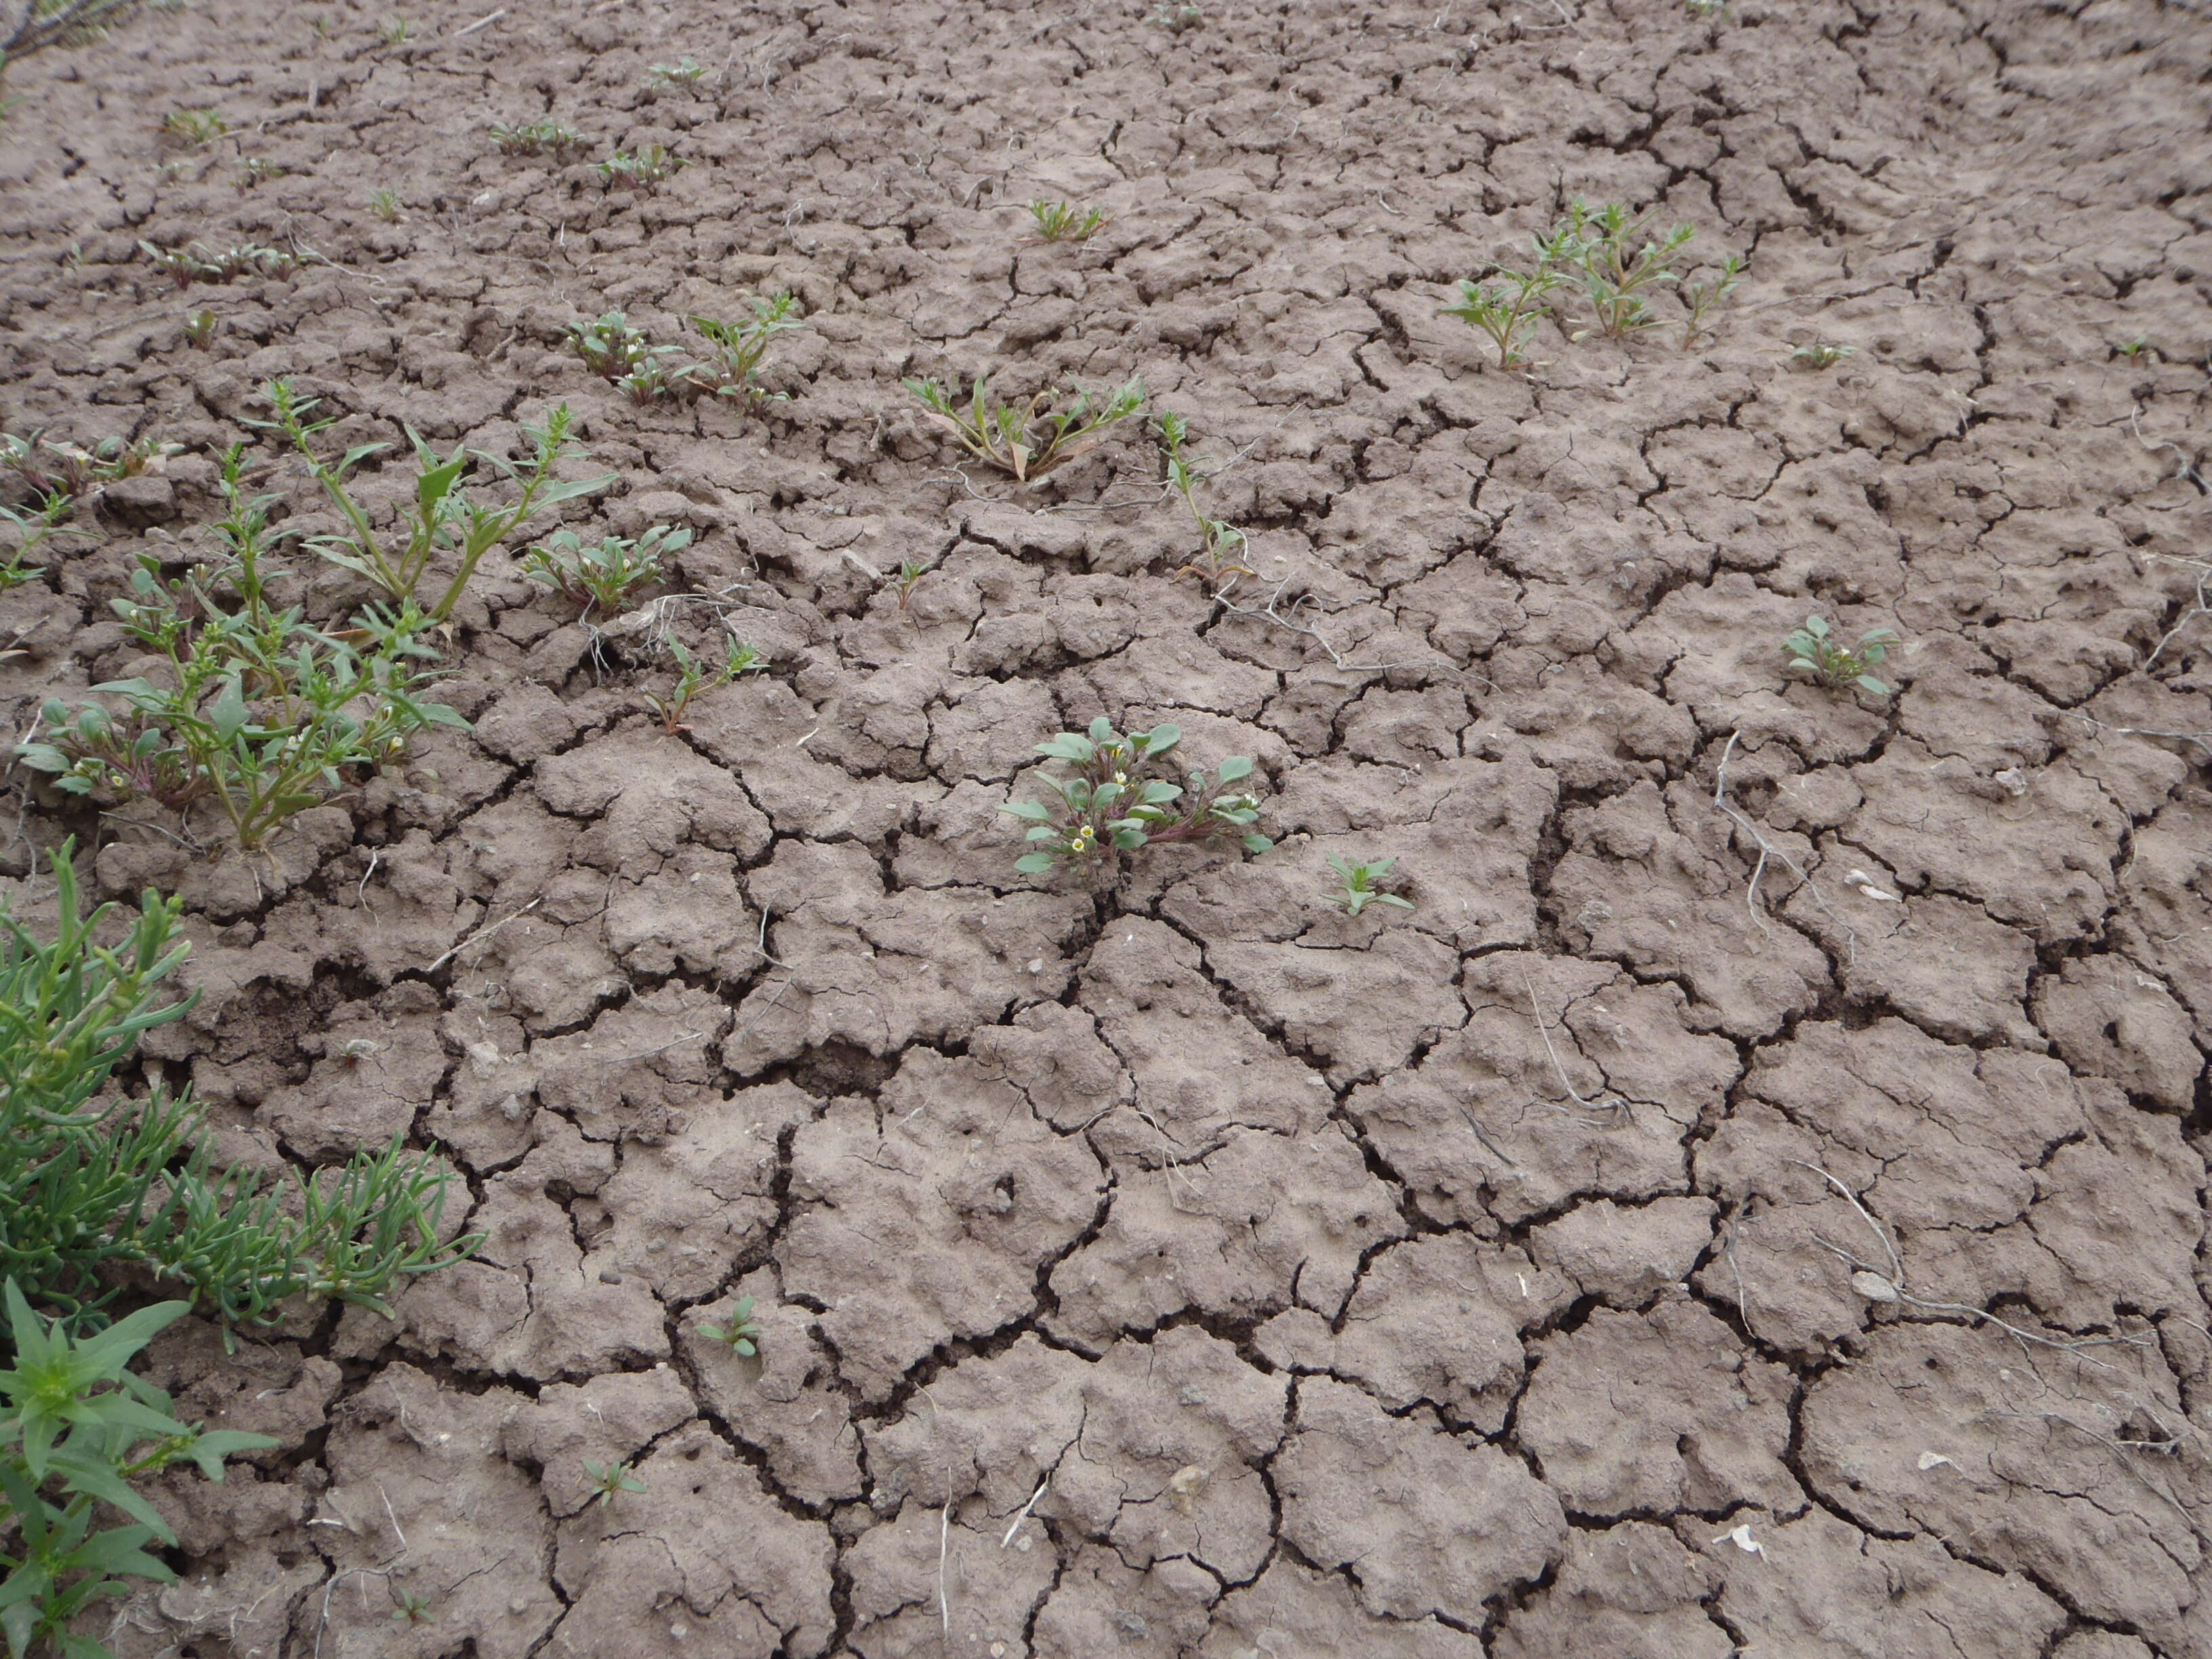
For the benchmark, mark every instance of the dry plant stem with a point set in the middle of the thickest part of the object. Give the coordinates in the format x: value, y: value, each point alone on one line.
x: 2185, y: 468
x: 2202, y: 607
x: 1269, y: 613
x: 1025, y: 1513
x: 1618, y: 1106
x: 944, y: 1548
x: 1767, y: 850
x: 480, y: 933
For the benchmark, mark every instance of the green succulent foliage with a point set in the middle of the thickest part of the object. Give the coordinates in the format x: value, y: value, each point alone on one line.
x: 76, y: 1429
x: 91, y: 1183
x: 447, y: 520
x: 1027, y: 440
x: 601, y: 578
x: 610, y: 1480
x: 1120, y: 799
x: 738, y: 1332
x: 1815, y: 650
x: 1360, y: 889
x: 259, y: 713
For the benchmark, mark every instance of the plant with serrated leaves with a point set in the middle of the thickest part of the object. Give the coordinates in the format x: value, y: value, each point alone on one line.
x: 1820, y: 355
x: 602, y: 577
x: 256, y: 712
x: 195, y: 127
x: 694, y: 678
x: 1119, y: 796
x: 610, y: 1480
x: 732, y: 369
x: 1028, y: 440
x: 1059, y: 222
x: 535, y: 137
x: 738, y: 1332
x: 1814, y: 650
x: 1700, y: 298
x: 641, y: 169
x: 447, y: 520
x: 1617, y: 273
x: 98, y: 1189
x: 1360, y: 888
x: 34, y: 526
x: 77, y: 1428
x: 660, y: 77
x: 1221, y: 546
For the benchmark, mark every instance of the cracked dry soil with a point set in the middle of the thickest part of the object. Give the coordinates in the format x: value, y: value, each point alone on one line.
x: 1182, y: 1269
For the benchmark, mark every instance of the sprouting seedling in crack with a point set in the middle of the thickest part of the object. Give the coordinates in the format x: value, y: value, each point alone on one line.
x: 1061, y: 222
x: 1700, y: 298
x: 610, y: 1480
x: 694, y: 677
x: 1815, y: 650
x: 1027, y: 440
x: 738, y: 1332
x: 1221, y: 545
x: 1821, y: 355
x: 908, y: 577
x: 1361, y: 885
x: 1508, y: 309
x: 1120, y: 799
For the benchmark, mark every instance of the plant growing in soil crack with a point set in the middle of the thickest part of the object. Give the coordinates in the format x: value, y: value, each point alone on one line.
x: 642, y: 169
x: 1058, y: 221
x: 1820, y: 355
x: 603, y: 577
x: 1599, y: 244
x: 256, y: 712
x: 385, y: 204
x: 1360, y: 888
x: 1120, y: 799
x: 411, y: 1609
x: 32, y: 527
x: 1221, y: 546
x: 738, y: 1332
x: 195, y: 127
x: 200, y: 328
x: 731, y: 370
x: 1509, y: 310
x: 662, y: 77
x: 194, y: 264
x: 694, y: 678
x: 534, y: 137
x: 1027, y: 440
x: 908, y: 577
x: 73, y: 469
x: 1814, y: 650
x: 1700, y: 298
x: 610, y: 1480
x: 446, y: 519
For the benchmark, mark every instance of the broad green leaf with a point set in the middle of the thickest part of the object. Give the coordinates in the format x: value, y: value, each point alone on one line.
x: 1236, y: 767
x: 1036, y: 811
x: 1256, y: 843
x: 1034, y: 864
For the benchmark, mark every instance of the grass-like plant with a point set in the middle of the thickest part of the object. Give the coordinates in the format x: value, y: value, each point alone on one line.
x: 195, y: 127
x: 1221, y: 546
x: 1359, y: 885
x: 535, y: 138
x: 1118, y: 798
x: 1027, y: 440
x: 447, y: 520
x: 602, y: 577
x: 732, y: 368
x: 34, y: 526
x: 258, y: 713
x: 1060, y: 222
x: 385, y: 204
x: 641, y: 169
x: 1814, y: 650
x: 694, y: 678
x: 1698, y: 299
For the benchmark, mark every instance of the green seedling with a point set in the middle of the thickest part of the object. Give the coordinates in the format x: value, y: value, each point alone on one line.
x: 641, y: 169
x: 385, y: 204
x: 411, y: 1609
x: 1507, y: 310
x: 258, y: 169
x: 694, y: 680
x: 2134, y: 349
x: 195, y: 127
x: 1057, y: 222
x: 1821, y: 355
x: 602, y: 578
x: 737, y: 1333
x: 444, y: 519
x: 661, y: 77
x: 609, y: 346
x: 732, y: 369
x: 396, y: 31
x: 47, y: 466
x: 256, y: 712
x: 1814, y: 650
x: 1221, y: 546
x: 77, y: 1428
x: 908, y: 577
x: 1178, y: 19
x: 534, y: 139
x: 1616, y: 274
x: 200, y: 328
x: 195, y: 264
x: 34, y: 525
x: 1359, y: 889
x: 1707, y: 10
x: 1700, y: 298
x: 1027, y: 440
x: 1118, y: 801
x: 610, y: 1480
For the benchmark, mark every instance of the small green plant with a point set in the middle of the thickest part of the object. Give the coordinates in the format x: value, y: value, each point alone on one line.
x: 610, y: 347
x: 1221, y: 546
x: 610, y: 1480
x: 1058, y: 221
x: 1360, y: 888
x: 385, y: 204
x: 535, y: 138
x: 411, y: 1608
x: 694, y: 678
x: 601, y: 578
x: 1507, y: 310
x: 1118, y: 801
x: 446, y: 520
x: 195, y: 127
x: 395, y: 30
x: 1814, y: 650
x: 1821, y: 355
x: 732, y: 369
x: 34, y: 525
x: 641, y: 169
x: 1700, y: 298
x: 77, y: 1428
x: 2134, y: 349
x: 908, y: 577
x: 258, y: 170
x: 736, y: 1332
x: 1707, y: 10
x: 1028, y: 440
x: 47, y: 466
x: 200, y: 328
x: 1615, y: 272
x: 661, y: 77
x: 195, y: 264
x: 1178, y: 18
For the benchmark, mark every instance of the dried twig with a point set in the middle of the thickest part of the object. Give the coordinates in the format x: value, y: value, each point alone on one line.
x: 1618, y: 1106
x: 1269, y: 613
x: 484, y: 933
x: 1767, y: 850
x: 1042, y: 1484
x: 2202, y: 607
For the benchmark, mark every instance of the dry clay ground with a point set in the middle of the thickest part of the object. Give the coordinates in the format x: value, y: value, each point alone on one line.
x: 1182, y: 1268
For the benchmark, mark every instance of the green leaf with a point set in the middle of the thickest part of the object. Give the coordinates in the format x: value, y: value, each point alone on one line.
x: 1037, y: 811
x: 1162, y: 737
x: 1034, y: 864
x: 1067, y: 746
x: 1868, y: 682
x: 1257, y: 844
x: 1234, y: 768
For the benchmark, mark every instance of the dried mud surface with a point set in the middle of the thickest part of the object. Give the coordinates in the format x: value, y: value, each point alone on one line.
x: 1183, y: 1270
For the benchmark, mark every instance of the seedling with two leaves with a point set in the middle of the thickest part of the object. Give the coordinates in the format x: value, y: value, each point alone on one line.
x: 1820, y: 355
x: 1027, y: 440
x: 908, y: 577
x: 1815, y: 650
x: 610, y: 1480
x: 1360, y: 886
x: 1120, y: 799
x: 602, y: 578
